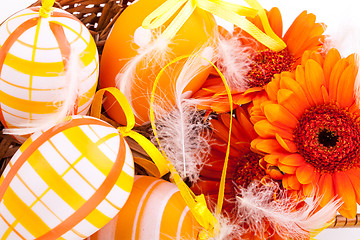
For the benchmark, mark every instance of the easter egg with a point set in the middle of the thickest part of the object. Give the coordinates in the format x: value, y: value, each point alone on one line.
x: 34, y: 56
x: 127, y: 40
x: 155, y: 210
x: 66, y: 182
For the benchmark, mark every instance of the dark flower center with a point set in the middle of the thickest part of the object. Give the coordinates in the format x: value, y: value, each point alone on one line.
x: 266, y: 64
x: 248, y: 169
x: 328, y: 137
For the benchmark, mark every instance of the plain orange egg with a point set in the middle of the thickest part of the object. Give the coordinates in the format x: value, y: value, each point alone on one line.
x: 120, y: 47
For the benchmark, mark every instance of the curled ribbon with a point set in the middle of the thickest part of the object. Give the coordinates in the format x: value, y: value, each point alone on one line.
x: 151, y: 150
x: 230, y: 12
x: 197, y: 204
x: 46, y: 8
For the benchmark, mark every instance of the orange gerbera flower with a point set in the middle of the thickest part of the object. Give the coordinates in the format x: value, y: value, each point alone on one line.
x: 243, y: 166
x: 309, y: 126
x: 304, y: 34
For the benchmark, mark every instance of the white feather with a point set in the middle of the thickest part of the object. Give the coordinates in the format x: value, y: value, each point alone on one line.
x: 233, y: 60
x: 65, y: 100
x: 228, y: 230
x: 153, y: 48
x: 256, y: 206
x: 181, y: 129
x: 183, y: 137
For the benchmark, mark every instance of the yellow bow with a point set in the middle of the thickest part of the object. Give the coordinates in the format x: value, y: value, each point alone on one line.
x: 233, y: 13
x: 46, y: 8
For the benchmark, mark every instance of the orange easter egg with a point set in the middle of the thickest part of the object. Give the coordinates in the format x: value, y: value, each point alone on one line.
x: 66, y: 182
x: 125, y: 42
x: 155, y: 210
x: 35, y: 56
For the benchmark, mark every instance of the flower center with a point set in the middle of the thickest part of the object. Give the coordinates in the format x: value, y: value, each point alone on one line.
x: 328, y: 137
x: 248, y: 169
x: 266, y: 64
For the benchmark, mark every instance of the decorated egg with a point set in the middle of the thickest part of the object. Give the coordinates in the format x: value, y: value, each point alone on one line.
x: 132, y: 58
x: 45, y: 62
x: 66, y: 182
x: 155, y: 210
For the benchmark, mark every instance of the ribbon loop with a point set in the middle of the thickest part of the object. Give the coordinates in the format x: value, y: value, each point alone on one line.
x: 233, y: 13
x: 127, y: 131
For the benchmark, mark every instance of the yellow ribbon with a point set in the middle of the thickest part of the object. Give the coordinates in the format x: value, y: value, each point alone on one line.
x: 197, y: 204
x: 127, y: 131
x: 46, y: 8
x: 230, y: 12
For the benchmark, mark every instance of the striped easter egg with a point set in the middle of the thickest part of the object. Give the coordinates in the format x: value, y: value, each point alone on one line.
x: 66, y: 182
x: 34, y: 52
x: 155, y: 210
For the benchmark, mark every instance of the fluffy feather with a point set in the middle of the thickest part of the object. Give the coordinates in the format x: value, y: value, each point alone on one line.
x: 66, y: 100
x: 228, y: 230
x: 152, y: 47
x: 181, y: 130
x: 233, y: 60
x: 183, y: 137
x: 257, y: 208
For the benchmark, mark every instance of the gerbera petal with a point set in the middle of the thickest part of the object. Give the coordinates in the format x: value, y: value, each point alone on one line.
x: 308, y: 189
x: 247, y: 126
x: 266, y: 130
x: 266, y: 145
x: 280, y: 116
x: 271, y: 159
x: 344, y: 189
x: 297, y: 101
x: 335, y: 75
x: 292, y: 182
x: 326, y: 189
x: 293, y: 160
x: 305, y: 174
x: 332, y: 57
x: 286, y: 144
x: 300, y: 78
x: 287, y: 169
x: 354, y: 176
x: 275, y: 21
x: 345, y: 92
x: 314, y: 78
x: 325, y: 94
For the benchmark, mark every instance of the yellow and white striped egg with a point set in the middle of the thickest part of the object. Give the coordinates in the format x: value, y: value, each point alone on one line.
x: 155, y: 210
x: 33, y: 54
x: 66, y: 182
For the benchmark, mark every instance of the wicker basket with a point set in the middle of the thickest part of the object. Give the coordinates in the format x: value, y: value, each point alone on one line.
x: 99, y: 16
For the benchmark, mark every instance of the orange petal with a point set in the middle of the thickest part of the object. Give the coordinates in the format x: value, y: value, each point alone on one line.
x: 335, y: 75
x: 275, y: 21
x: 354, y: 176
x: 287, y: 169
x: 266, y: 145
x: 344, y: 189
x: 292, y: 182
x: 286, y: 144
x: 297, y: 101
x: 305, y: 174
x: 300, y: 78
x: 308, y: 189
x: 331, y: 58
x: 314, y: 78
x: 326, y: 189
x: 244, y: 121
x: 267, y: 130
x: 325, y: 94
x: 280, y: 116
x: 271, y: 159
x: 345, y: 92
x: 293, y: 160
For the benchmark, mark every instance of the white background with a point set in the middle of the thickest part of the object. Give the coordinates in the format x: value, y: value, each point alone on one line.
x: 342, y: 19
